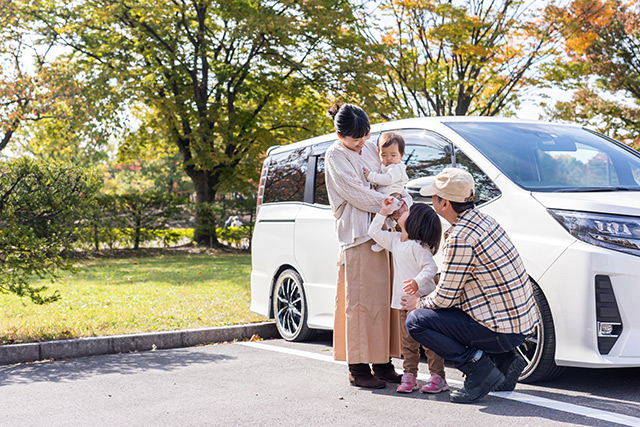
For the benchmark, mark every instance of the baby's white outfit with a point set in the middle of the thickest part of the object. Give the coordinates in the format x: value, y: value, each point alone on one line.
x: 411, y: 260
x: 390, y: 179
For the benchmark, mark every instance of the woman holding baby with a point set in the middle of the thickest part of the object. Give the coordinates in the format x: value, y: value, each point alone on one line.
x: 366, y: 329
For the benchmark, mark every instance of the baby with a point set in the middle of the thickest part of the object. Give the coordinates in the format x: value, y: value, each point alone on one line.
x: 392, y: 177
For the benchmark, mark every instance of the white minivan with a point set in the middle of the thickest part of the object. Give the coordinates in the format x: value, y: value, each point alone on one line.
x: 568, y: 197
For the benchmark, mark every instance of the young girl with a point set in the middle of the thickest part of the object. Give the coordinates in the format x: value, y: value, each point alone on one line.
x: 414, y: 267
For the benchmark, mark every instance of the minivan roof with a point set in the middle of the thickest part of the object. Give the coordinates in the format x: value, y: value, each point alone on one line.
x: 417, y: 122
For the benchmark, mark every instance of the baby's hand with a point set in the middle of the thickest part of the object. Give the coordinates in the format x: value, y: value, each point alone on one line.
x: 402, y: 208
x: 387, y: 206
x: 366, y: 172
x: 410, y: 287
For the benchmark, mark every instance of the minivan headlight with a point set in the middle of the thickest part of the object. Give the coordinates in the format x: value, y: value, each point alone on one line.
x: 617, y: 232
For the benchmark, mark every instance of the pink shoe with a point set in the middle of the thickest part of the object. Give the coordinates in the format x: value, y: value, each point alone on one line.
x: 408, y: 384
x: 436, y: 384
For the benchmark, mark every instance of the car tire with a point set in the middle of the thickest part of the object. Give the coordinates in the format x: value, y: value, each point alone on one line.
x: 290, y: 307
x: 539, y: 349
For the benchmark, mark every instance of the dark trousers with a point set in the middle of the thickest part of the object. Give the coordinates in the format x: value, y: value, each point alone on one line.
x: 454, y: 335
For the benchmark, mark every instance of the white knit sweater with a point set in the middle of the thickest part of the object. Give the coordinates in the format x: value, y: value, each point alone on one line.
x: 350, y: 194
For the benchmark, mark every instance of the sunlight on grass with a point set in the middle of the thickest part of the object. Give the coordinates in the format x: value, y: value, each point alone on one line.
x: 117, y: 296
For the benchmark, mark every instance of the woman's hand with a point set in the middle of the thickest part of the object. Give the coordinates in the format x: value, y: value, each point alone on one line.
x: 410, y: 287
x: 366, y: 172
x: 387, y: 205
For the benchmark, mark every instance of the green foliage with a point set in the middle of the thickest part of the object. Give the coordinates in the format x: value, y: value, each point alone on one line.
x: 99, y: 221
x: 171, y: 236
x: 132, y: 219
x: 236, y: 236
x: 220, y: 80
x: 147, y: 211
x: 79, y: 119
x: 114, y: 237
x: 51, y: 106
x: 40, y: 206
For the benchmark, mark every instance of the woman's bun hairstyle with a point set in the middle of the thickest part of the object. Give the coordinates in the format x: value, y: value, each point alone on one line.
x: 331, y: 112
x: 349, y: 120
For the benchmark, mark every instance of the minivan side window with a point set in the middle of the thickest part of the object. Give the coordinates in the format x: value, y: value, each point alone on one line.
x: 320, y: 195
x: 427, y: 153
x: 320, y: 188
x: 485, y: 188
x: 286, y: 176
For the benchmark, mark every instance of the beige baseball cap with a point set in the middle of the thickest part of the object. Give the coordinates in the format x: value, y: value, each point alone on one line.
x: 453, y: 184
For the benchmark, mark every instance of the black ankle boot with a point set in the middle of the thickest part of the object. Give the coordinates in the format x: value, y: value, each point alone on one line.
x: 360, y: 375
x: 386, y: 372
x: 511, y: 364
x: 481, y: 377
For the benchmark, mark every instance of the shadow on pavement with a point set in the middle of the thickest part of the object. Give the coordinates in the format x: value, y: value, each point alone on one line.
x: 122, y: 364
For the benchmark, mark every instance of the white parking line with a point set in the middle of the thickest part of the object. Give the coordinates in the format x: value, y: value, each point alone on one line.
x: 511, y: 395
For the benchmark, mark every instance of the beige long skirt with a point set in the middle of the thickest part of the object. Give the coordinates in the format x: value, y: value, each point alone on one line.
x: 366, y: 328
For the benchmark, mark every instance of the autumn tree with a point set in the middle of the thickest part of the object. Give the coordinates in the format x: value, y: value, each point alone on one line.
x: 50, y: 106
x: 601, y: 65
x: 224, y: 79
x: 17, y: 87
x: 460, y: 58
x: 81, y: 112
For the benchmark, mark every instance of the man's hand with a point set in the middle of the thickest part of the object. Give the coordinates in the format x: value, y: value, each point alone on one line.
x: 409, y: 302
x: 410, y: 287
x: 401, y: 209
x: 387, y: 205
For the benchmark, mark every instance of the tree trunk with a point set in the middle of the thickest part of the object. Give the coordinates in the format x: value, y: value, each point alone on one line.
x: 204, y: 230
x: 96, y: 237
x: 136, y: 236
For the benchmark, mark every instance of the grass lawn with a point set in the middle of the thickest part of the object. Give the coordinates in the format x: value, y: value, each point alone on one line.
x: 136, y: 294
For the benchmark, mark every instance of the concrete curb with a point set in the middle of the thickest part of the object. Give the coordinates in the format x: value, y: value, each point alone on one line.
x: 80, y: 347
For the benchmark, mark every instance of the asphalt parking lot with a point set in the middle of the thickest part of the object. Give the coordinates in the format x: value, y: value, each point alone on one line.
x: 277, y: 383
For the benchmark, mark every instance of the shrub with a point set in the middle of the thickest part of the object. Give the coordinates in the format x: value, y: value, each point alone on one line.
x: 236, y: 236
x: 40, y: 207
x: 138, y: 214
x: 131, y: 220
x: 172, y: 236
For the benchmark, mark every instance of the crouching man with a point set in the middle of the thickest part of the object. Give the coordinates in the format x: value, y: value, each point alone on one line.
x: 483, y: 303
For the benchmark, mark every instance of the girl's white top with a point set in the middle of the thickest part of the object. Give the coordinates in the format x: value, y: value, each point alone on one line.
x: 410, y: 261
x: 390, y: 179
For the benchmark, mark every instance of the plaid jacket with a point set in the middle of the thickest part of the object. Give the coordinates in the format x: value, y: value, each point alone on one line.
x: 483, y: 276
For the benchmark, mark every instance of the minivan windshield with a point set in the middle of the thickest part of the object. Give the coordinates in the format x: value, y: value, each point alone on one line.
x: 554, y: 158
